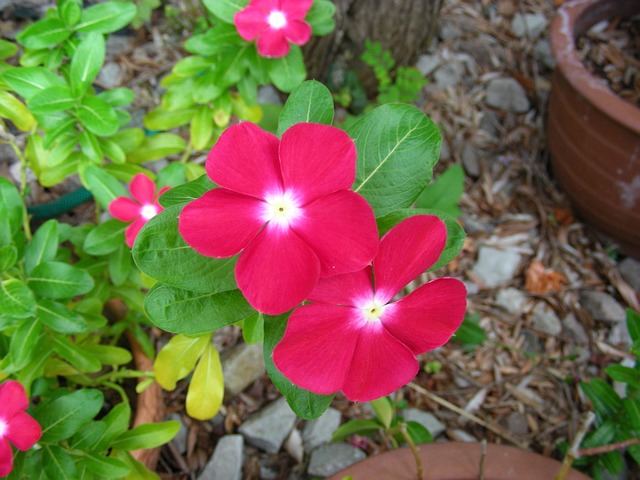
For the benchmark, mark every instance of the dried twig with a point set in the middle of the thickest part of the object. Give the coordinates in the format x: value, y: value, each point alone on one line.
x: 573, y: 453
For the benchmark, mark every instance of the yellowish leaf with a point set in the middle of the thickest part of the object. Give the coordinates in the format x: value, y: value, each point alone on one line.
x: 206, y: 389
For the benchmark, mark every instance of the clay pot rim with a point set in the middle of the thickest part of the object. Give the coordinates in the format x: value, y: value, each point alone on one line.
x: 566, y: 25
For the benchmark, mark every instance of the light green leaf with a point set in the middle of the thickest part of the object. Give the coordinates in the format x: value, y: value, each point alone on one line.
x: 118, y: 97
x: 162, y: 119
x: 27, y: 81
x: 253, y: 329
x: 58, y: 464
x: 7, y: 49
x: 288, y: 72
x: 445, y: 193
x: 11, y: 205
x: 206, y: 389
x: 58, y: 280
x: 8, y: 255
x: 65, y: 415
x: 107, y: 354
x: 213, y: 41
x: 356, y: 427
x: 129, y: 139
x: 157, y: 147
x: 59, y: 318
x: 383, y: 410
x: 138, y: 470
x: 106, y: 17
x: 16, y: 299
x: 320, y: 17
x: 87, y: 61
x: 51, y: 100
x: 225, y: 9
x: 98, y: 116
x: 149, y: 435
x: 178, y: 358
x: 14, y: 110
x: 79, y: 357
x: 106, y: 467
x: 44, y: 34
x: 201, y: 129
x: 43, y: 246
x: 25, y: 343
x: 397, y: 146
x: 106, y: 238
x: 70, y: 11
x: 104, y: 187
x: 120, y: 265
x: 311, y: 102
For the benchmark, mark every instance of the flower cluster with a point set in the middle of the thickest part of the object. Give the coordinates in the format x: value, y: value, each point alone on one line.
x: 16, y: 426
x: 285, y: 206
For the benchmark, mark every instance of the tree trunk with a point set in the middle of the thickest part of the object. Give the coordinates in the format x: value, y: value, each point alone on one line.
x: 405, y: 27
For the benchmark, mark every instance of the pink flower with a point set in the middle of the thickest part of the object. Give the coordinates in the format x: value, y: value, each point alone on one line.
x: 16, y: 426
x: 286, y: 206
x: 354, y: 338
x: 143, y: 208
x: 275, y: 23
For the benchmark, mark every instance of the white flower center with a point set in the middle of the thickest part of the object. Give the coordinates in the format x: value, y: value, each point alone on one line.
x: 281, y: 209
x: 277, y: 19
x: 3, y: 428
x: 373, y: 310
x: 148, y: 211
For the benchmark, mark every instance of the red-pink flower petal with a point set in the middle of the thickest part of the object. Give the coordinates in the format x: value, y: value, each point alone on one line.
x: 277, y: 270
x: 264, y: 5
x: 342, y: 230
x: 380, y: 365
x: 6, y: 458
x: 406, y: 251
x: 131, y: 232
x: 124, y: 209
x: 427, y: 317
x: 316, y: 160
x: 13, y: 399
x: 344, y: 289
x: 23, y: 431
x: 272, y: 43
x: 142, y: 189
x: 296, y: 9
x: 250, y: 23
x: 317, y: 348
x: 245, y: 160
x: 221, y: 222
x: 297, y: 31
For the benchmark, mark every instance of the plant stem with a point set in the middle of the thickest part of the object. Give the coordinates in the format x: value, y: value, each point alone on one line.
x: 573, y: 452
x: 414, y: 449
x: 483, y: 456
x: 586, y: 452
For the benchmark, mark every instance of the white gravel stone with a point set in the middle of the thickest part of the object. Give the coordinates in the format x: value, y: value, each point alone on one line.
x: 426, y: 419
x: 496, y: 267
x: 602, y: 307
x: 227, y: 459
x: 511, y: 299
x: 545, y: 319
x: 319, y: 431
x: 268, y: 428
x: 507, y: 94
x: 242, y: 366
x: 530, y: 25
x: 329, y: 459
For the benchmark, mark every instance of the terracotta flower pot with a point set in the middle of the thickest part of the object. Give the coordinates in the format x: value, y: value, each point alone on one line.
x: 594, y: 135
x: 458, y: 461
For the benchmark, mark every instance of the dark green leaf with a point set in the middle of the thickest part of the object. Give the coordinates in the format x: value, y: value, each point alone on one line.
x: 58, y: 464
x: 470, y: 333
x: 59, y: 280
x: 16, y: 299
x: 12, y: 206
x: 25, y: 343
x: 105, y: 238
x: 356, y: 427
x: 65, y: 415
x: 59, y: 318
x: 288, y: 72
x: 187, y: 192
x: 605, y: 400
x: 106, y: 467
x: 311, y: 102
x: 445, y: 193
x: 320, y: 17
x: 120, y: 265
x: 418, y: 433
x: 633, y: 324
x: 623, y: 374
x: 43, y: 246
x: 79, y: 357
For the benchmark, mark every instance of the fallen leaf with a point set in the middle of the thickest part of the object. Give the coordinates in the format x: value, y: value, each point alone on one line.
x: 540, y: 281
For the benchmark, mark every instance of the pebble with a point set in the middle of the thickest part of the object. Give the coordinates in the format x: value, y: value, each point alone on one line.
x: 268, y: 95
x: 507, y: 94
x: 180, y: 440
x: 530, y: 25
x: 630, y: 270
x: 602, y: 307
x: 449, y: 74
x: 227, y: 459
x: 575, y: 329
x: 333, y: 457
x: 511, y: 299
x: 619, y: 336
x: 428, y: 63
x: 241, y: 366
x: 517, y: 423
x: 495, y: 267
x: 111, y: 76
x: 294, y: 445
x: 426, y: 419
x: 462, y: 436
x: 319, y: 431
x: 545, y: 319
x: 542, y: 51
x: 268, y: 428
x: 471, y: 160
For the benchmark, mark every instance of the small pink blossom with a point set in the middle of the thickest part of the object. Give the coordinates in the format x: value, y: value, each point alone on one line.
x: 275, y: 23
x: 353, y: 338
x: 139, y: 210
x: 16, y: 426
x: 286, y: 207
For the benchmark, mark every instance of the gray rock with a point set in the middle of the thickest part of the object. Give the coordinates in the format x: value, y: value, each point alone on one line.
x: 511, y: 299
x: 180, y: 440
x: 545, y: 319
x: 630, y: 270
x: 517, y: 423
x: 496, y: 267
x: 575, y: 329
x: 294, y: 446
x: 428, y: 63
x: 268, y: 428
x: 426, y: 419
x: 241, y: 366
x: 619, y: 335
x: 449, y: 74
x: 490, y: 123
x: 530, y: 25
x: 329, y: 459
x: 111, y: 75
x: 319, y: 431
x: 542, y: 51
x: 471, y: 160
x: 227, y: 459
x: 268, y: 95
x: 602, y: 307
x: 507, y: 94
x: 462, y: 436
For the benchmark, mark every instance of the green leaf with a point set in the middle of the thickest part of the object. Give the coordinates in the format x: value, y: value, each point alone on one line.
x: 13, y: 109
x: 80, y: 358
x: 8, y: 257
x: 86, y: 62
x: 106, y: 238
x: 120, y: 265
x: 106, y: 467
x: 64, y: 127
x: 7, y: 49
x: 157, y: 147
x: 16, y: 299
x: 383, y: 410
x: 57, y: 280
x: 86, y: 439
x: 104, y: 187
x: 98, y: 116
x: 320, y: 17
x: 305, y: 404
x: 106, y: 17
x: 65, y: 415
x: 138, y: 470
x: 397, y: 146
x: 28, y: 81
x: 633, y: 324
x: 117, y: 422
x: 418, y: 433
x: 187, y: 192
x: 70, y: 11
x: 356, y: 427
x: 470, y: 333
x: 623, y: 374
x: 288, y: 72
x: 129, y: 139
x: 311, y: 102
x: 632, y: 413
x: 59, y: 318
x: 183, y: 311
x: 253, y: 329
x: 11, y: 205
x: 108, y: 354
x: 25, y: 343
x: 455, y: 232
x: 213, y: 41
x: 161, y: 252
x: 161, y: 119
x: 206, y: 388
x: 44, y: 34
x: 445, y: 193
x: 43, y: 246
x: 606, y: 402
x: 225, y: 9
x: 118, y: 97
x: 178, y: 358
x: 58, y: 464
x: 149, y: 435
x: 201, y: 129
x: 90, y: 147
x: 51, y: 100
